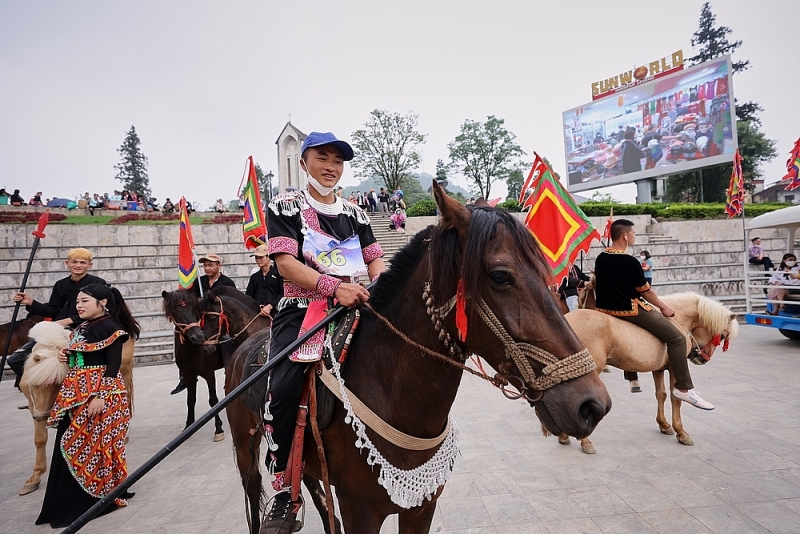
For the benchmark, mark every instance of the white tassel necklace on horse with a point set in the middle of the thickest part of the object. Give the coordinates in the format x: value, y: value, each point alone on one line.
x: 406, y: 488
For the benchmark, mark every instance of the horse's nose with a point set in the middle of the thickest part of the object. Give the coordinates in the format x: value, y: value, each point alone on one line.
x: 592, y: 411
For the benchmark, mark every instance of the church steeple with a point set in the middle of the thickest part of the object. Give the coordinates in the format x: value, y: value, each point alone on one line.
x: 289, y: 173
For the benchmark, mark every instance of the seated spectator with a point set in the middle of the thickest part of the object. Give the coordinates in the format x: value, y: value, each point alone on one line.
x: 757, y: 256
x: 786, y: 275
x: 168, y: 207
x: 99, y: 201
x: 398, y: 219
x: 152, y: 204
x: 190, y: 207
x: 220, y: 206
x: 241, y: 202
x: 36, y: 200
x: 16, y: 199
x: 116, y: 196
x: 3, y: 192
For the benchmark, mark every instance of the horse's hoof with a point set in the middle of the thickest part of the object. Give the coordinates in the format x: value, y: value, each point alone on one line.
x: 219, y: 437
x: 29, y: 488
x: 686, y: 440
x: 564, y: 440
x: 668, y: 431
x: 588, y: 448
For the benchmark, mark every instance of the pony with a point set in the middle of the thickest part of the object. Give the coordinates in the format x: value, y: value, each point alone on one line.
x: 42, y: 380
x: 504, y: 309
x: 182, y: 309
x: 613, y: 341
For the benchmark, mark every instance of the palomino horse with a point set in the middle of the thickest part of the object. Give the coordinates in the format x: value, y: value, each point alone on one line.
x: 511, y: 320
x: 182, y: 308
x: 228, y: 313
x: 41, y: 381
x: 626, y: 346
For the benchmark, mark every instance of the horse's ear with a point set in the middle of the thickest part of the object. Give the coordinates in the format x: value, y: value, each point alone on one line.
x: 481, y: 203
x: 733, y: 317
x: 454, y: 215
x: 164, y: 294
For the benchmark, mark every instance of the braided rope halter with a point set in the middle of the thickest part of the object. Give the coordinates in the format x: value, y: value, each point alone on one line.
x: 529, y: 385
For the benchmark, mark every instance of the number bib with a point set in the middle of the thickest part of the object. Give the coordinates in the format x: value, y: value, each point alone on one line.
x: 328, y: 255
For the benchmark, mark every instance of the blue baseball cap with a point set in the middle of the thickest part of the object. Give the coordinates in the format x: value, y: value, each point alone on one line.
x: 327, y: 138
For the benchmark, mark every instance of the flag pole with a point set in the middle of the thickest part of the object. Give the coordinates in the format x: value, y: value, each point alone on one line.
x: 38, y: 235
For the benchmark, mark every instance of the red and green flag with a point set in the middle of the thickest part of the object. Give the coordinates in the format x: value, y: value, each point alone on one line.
x: 555, y: 220
x: 254, y: 224
x: 793, y: 166
x: 734, y: 203
x: 187, y: 267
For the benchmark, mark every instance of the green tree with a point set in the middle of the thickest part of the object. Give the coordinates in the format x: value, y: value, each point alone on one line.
x: 711, y: 184
x: 132, y: 169
x: 389, y: 147
x: 485, y: 153
x: 514, y: 183
x: 264, y: 181
x: 441, y: 170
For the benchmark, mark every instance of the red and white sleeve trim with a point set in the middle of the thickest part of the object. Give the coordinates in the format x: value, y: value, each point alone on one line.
x: 327, y: 285
x: 372, y: 252
x: 283, y: 245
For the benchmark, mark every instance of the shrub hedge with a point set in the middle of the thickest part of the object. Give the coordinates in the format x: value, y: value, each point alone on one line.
x: 675, y: 211
x: 422, y: 208
x: 24, y: 217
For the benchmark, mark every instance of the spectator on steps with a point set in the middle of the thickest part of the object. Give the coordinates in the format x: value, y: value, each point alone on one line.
x: 36, y: 200
x: 16, y: 199
x: 169, y: 207
x: 757, y: 256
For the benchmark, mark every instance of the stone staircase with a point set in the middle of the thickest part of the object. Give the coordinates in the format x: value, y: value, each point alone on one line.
x: 142, y: 272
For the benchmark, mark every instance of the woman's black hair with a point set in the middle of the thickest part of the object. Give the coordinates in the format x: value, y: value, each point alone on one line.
x: 115, y: 305
x: 786, y: 256
x: 646, y: 254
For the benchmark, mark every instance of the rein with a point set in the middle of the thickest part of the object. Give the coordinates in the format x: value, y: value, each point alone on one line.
x: 223, y: 319
x: 555, y: 370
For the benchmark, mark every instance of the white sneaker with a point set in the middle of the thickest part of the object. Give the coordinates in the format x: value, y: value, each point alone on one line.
x: 693, y: 398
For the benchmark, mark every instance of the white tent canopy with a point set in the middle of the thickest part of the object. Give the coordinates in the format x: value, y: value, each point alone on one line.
x: 783, y: 218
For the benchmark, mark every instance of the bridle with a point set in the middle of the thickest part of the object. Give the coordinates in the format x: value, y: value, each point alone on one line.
x: 222, y: 325
x: 182, y: 328
x: 529, y: 385
x: 702, y: 355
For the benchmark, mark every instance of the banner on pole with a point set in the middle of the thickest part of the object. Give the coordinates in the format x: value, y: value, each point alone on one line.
x: 555, y: 220
x: 254, y: 225
x: 793, y: 166
x: 735, y: 197
x: 187, y: 267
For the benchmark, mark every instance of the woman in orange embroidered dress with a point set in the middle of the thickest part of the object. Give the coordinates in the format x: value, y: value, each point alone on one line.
x: 91, y: 411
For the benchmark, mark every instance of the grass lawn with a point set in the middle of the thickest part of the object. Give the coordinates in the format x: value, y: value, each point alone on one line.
x: 104, y: 219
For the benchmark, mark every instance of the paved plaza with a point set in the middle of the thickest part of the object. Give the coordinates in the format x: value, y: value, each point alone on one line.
x: 741, y: 475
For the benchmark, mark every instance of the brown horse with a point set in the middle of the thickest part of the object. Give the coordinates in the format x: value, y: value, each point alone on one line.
x: 509, y: 311
x: 182, y: 308
x: 20, y: 335
x: 40, y: 384
x: 626, y: 346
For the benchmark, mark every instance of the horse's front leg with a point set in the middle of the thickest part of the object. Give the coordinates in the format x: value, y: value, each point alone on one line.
x: 661, y: 398
x: 40, y: 467
x: 191, y: 397
x: 211, y: 380
x: 314, y: 488
x: 359, y: 518
x: 416, y: 520
x: 677, y: 423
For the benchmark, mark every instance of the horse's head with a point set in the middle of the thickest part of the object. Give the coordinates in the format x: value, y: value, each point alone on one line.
x: 226, y: 311
x: 43, y: 373
x: 486, y: 268
x: 711, y: 323
x: 182, y: 308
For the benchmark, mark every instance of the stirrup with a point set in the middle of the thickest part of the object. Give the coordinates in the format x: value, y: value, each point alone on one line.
x: 279, y: 524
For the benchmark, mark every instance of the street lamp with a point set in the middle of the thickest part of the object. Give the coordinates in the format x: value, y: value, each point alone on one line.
x: 269, y: 177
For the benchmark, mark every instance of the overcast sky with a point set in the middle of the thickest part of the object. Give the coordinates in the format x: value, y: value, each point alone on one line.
x: 208, y: 83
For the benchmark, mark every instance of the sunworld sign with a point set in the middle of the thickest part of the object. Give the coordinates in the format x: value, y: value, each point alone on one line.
x: 626, y: 80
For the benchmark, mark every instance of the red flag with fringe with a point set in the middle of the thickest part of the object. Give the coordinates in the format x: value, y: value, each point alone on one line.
x: 555, y: 220
x: 187, y: 267
x: 254, y: 224
x: 609, y: 222
x: 793, y: 166
x: 735, y: 196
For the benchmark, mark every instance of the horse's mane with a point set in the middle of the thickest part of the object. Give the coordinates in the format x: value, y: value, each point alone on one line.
x: 446, y: 254
x: 46, y: 369
x: 208, y: 302
x: 173, y: 299
x: 713, y: 316
x: 390, y: 284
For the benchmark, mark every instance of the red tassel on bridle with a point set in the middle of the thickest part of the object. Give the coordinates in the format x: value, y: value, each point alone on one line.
x: 461, y: 311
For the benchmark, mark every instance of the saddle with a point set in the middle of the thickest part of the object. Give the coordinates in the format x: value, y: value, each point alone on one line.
x: 256, y: 396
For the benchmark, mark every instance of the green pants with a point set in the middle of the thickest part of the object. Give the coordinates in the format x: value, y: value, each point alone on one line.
x: 665, y: 330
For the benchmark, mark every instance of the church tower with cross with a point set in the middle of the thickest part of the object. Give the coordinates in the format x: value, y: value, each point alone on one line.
x: 289, y: 173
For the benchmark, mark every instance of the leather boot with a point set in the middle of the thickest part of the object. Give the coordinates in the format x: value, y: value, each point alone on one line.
x: 282, y: 517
